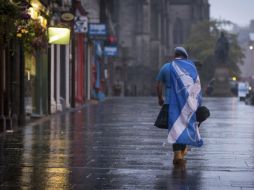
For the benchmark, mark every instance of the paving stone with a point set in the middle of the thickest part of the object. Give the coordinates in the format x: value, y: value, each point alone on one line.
x: 114, y: 145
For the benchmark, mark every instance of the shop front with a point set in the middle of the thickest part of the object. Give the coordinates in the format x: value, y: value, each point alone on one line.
x: 34, y: 35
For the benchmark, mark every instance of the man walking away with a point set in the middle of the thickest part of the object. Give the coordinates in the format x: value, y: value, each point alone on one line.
x: 183, y: 96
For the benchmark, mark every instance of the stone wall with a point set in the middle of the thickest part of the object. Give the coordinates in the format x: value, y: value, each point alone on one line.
x: 147, y: 32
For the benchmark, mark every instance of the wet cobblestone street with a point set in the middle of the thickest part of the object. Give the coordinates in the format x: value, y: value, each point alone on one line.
x: 114, y: 145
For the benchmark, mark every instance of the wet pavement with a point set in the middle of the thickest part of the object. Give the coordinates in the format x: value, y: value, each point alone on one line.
x: 114, y: 145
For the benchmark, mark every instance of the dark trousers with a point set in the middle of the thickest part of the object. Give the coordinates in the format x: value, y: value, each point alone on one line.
x: 178, y: 147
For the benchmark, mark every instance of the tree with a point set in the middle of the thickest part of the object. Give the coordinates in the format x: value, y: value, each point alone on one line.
x: 201, y: 44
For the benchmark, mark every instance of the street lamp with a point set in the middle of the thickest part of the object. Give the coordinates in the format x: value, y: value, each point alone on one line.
x: 251, y: 48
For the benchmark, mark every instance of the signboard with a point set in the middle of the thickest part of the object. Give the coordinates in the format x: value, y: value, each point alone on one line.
x: 80, y: 24
x: 67, y: 16
x: 110, y: 50
x: 59, y: 35
x: 97, y: 29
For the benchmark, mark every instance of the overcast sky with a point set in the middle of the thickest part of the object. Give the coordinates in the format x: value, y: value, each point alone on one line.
x: 237, y: 11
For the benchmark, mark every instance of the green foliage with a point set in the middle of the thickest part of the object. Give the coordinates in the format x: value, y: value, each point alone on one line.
x: 16, y: 23
x: 201, y: 46
x: 9, y: 12
x: 9, y: 8
x: 33, y: 35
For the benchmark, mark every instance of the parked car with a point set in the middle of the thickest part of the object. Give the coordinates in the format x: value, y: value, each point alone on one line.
x: 249, y: 99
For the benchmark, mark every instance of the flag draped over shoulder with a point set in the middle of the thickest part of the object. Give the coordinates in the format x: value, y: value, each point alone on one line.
x: 185, y: 97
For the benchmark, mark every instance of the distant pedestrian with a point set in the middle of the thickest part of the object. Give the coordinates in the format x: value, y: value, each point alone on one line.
x: 183, y: 96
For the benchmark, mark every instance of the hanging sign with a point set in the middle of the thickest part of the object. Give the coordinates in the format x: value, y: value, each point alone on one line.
x: 97, y: 29
x: 67, y: 16
x: 59, y: 35
x: 80, y: 24
x: 110, y: 50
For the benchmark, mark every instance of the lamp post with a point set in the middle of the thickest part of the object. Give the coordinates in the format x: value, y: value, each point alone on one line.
x: 251, y: 48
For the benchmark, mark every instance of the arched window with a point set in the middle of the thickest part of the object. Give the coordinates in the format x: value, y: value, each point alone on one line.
x: 178, y: 31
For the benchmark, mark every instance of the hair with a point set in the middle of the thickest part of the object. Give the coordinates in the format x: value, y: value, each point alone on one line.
x: 180, y: 54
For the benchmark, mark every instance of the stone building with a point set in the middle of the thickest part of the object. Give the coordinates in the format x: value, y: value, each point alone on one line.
x: 147, y: 32
x: 184, y: 14
x: 246, y: 39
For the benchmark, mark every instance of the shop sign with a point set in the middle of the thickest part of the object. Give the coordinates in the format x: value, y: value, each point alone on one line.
x: 67, y: 16
x: 110, y: 50
x: 80, y: 24
x: 59, y: 35
x: 97, y: 29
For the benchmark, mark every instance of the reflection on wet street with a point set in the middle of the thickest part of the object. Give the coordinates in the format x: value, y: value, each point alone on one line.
x: 114, y: 145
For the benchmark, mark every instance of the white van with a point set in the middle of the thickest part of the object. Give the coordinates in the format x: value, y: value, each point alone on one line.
x: 243, y: 90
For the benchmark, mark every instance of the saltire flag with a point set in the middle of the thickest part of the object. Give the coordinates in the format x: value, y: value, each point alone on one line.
x: 185, y: 98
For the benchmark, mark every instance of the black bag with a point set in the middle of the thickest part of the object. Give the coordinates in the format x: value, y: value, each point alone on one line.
x: 162, y: 119
x: 161, y: 122
x: 202, y: 114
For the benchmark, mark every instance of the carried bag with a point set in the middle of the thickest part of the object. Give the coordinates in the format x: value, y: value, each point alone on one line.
x: 162, y: 119
x: 202, y: 114
x: 161, y: 122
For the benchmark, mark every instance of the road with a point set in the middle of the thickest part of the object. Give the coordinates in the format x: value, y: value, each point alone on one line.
x: 114, y: 145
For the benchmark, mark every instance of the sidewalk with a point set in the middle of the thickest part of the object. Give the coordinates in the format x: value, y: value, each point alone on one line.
x: 114, y: 145
x: 37, y: 120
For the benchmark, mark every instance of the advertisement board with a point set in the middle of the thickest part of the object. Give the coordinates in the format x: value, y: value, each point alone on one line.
x: 110, y: 51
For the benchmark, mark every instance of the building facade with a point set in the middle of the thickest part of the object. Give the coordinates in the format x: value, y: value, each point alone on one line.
x: 121, y: 56
x: 148, y: 30
x: 246, y: 39
x: 24, y: 64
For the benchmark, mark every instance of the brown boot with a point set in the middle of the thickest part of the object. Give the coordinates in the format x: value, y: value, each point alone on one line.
x: 184, y: 151
x: 178, y: 158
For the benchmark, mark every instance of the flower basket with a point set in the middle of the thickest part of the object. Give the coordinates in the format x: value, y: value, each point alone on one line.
x: 33, y: 35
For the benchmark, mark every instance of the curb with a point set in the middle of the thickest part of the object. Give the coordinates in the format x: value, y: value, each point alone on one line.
x: 48, y: 117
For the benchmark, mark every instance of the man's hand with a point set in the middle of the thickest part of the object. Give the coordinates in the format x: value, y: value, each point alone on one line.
x: 161, y: 101
x: 159, y: 93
